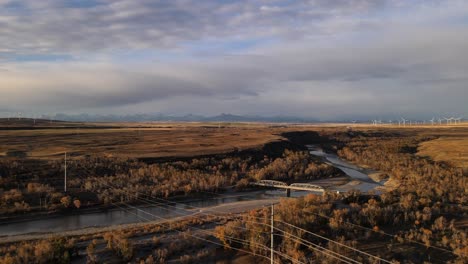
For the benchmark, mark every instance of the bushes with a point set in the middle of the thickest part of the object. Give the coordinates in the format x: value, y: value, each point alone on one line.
x: 115, y: 179
x: 91, y: 252
x: 55, y: 250
x: 65, y: 201
x: 294, y: 165
x: 120, y: 244
x: 433, y: 181
x: 202, y: 175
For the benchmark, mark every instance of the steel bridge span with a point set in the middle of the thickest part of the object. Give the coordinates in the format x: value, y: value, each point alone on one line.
x: 293, y: 186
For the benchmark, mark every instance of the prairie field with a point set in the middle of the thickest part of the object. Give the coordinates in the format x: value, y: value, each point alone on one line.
x: 47, y: 140
x: 134, y: 140
x: 452, y: 149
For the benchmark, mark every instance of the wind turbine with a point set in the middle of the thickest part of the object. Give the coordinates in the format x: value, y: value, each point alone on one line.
x: 448, y: 120
x: 432, y: 121
x: 404, y: 121
x: 440, y: 121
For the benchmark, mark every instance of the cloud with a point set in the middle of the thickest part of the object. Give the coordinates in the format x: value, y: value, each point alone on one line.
x: 51, y: 26
x: 332, y: 59
x: 382, y: 77
x: 99, y: 85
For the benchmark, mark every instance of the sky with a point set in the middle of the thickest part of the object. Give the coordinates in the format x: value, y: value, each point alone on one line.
x: 322, y: 59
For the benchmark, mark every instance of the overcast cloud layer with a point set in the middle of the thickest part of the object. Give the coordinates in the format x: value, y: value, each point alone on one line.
x: 321, y: 59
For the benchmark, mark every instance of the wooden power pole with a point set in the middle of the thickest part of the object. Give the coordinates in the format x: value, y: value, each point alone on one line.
x: 271, y: 235
x: 65, y: 181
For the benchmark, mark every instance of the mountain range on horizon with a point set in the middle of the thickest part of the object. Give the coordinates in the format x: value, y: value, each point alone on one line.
x: 181, y: 118
x: 223, y: 117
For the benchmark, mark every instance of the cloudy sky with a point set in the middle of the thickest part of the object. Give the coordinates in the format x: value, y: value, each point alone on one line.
x: 325, y: 59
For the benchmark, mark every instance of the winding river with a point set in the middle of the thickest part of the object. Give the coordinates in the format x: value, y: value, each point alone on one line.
x: 117, y: 216
x: 361, y: 180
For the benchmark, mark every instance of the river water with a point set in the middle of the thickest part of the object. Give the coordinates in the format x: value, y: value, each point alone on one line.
x: 361, y: 180
x: 127, y: 215
x: 117, y: 216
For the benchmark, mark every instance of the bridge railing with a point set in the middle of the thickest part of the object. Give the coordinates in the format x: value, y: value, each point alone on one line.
x: 307, y: 185
x: 280, y: 184
x: 272, y: 183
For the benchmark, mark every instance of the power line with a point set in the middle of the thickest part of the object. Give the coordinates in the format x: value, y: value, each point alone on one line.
x: 369, y: 255
x: 335, y: 242
x: 387, y: 234
x: 152, y: 202
x: 179, y: 231
x: 314, y: 246
x: 234, y: 239
x: 307, y: 241
x: 244, y: 242
x: 379, y: 232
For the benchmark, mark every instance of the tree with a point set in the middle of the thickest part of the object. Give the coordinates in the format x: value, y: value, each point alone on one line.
x: 65, y: 201
x: 77, y: 203
x: 91, y: 252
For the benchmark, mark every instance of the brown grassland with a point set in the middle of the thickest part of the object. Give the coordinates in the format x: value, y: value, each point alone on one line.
x: 137, y: 141
x: 453, y: 149
x: 46, y: 140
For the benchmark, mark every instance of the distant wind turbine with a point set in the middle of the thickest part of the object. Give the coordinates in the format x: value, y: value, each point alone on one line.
x: 404, y: 121
x: 448, y: 119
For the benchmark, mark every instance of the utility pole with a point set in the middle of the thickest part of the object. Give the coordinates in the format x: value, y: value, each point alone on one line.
x: 272, y: 223
x: 65, y: 182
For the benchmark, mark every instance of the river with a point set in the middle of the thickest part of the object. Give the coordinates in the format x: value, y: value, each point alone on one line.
x: 361, y: 180
x: 118, y: 216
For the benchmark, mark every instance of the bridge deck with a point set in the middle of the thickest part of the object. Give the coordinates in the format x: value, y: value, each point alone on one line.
x: 290, y: 187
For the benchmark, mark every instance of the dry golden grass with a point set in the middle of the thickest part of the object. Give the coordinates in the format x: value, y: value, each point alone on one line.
x: 449, y: 149
x: 135, y: 142
x: 164, y: 139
